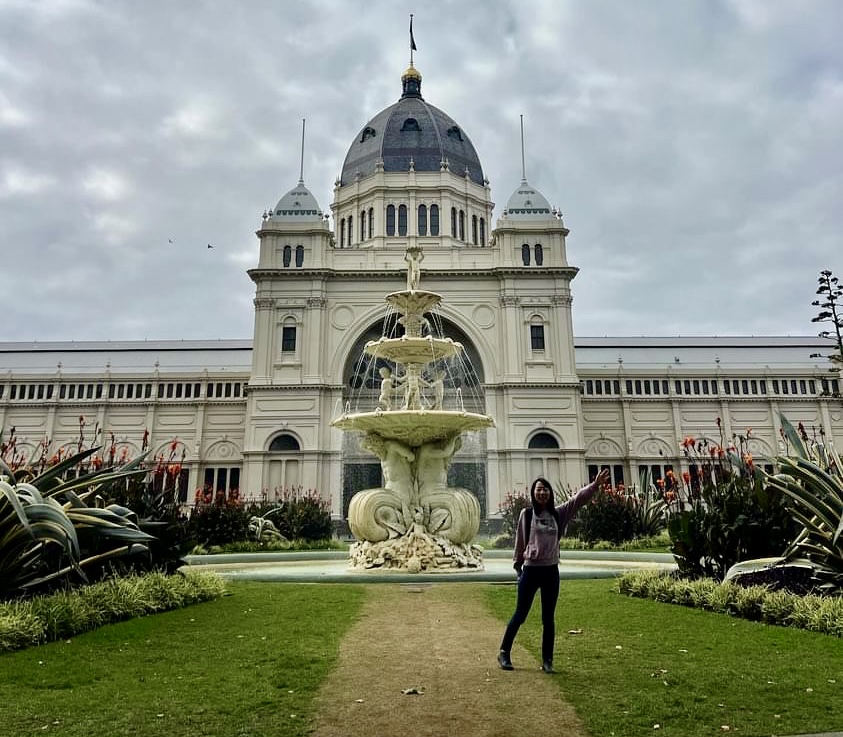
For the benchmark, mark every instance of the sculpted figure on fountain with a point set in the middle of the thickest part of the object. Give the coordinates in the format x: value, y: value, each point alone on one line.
x: 413, y: 257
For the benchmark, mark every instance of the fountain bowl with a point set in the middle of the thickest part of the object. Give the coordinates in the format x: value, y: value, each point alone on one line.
x: 414, y: 427
x: 413, y: 350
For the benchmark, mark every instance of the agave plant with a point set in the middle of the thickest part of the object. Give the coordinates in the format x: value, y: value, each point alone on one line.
x: 812, y: 481
x: 48, y: 531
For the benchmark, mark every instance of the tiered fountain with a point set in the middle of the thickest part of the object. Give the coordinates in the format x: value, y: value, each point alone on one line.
x: 415, y: 522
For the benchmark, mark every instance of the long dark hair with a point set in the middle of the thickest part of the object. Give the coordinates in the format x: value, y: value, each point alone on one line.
x: 551, y: 507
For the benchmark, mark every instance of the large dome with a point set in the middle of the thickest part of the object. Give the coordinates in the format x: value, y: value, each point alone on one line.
x: 411, y: 129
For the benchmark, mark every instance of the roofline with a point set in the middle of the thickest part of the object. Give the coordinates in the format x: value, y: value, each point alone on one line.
x: 124, y: 345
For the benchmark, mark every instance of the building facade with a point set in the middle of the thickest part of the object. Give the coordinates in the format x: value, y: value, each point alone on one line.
x: 255, y: 415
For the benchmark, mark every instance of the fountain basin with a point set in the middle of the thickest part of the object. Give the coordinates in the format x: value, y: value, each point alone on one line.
x: 413, y: 350
x: 414, y: 427
x: 414, y: 301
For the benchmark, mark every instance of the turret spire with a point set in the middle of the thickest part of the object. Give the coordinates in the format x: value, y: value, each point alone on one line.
x: 523, y: 160
x: 301, y: 165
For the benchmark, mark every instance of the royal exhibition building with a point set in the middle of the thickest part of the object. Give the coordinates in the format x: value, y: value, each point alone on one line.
x: 256, y: 414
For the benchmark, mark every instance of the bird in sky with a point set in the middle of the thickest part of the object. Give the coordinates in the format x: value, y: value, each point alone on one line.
x: 210, y: 246
x: 170, y: 240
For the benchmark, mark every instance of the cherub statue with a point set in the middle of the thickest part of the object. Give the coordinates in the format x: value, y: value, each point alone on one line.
x: 413, y: 257
x: 388, y: 389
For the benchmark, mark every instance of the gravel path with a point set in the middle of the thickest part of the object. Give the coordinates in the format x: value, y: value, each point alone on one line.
x: 437, y: 643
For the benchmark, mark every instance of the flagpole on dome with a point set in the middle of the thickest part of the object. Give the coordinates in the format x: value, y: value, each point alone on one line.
x: 523, y: 160
x: 301, y: 166
x: 412, y: 40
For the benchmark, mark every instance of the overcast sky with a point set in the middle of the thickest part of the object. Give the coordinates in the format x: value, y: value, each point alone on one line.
x: 693, y: 147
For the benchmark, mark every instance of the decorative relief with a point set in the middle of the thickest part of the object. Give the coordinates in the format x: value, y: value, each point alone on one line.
x: 564, y: 300
x: 651, y: 416
x: 285, y: 405
x: 224, y: 450
x: 541, y: 403
x: 746, y: 418
x: 121, y: 419
x: 652, y: 447
x: 317, y: 302
x: 228, y: 419
x: 342, y: 317
x: 185, y: 420
x: 759, y: 448
x: 601, y: 418
x: 510, y: 300
x: 263, y: 303
x: 484, y: 316
x: 605, y: 447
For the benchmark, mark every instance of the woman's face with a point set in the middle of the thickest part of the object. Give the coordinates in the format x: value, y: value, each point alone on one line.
x: 541, y: 492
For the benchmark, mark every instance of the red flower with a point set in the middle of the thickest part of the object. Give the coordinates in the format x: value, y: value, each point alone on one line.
x: 686, y: 477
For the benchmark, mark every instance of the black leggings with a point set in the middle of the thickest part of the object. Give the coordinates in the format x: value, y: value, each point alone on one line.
x: 535, y: 578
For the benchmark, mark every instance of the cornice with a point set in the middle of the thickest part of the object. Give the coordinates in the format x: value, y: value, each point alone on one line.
x: 389, y: 274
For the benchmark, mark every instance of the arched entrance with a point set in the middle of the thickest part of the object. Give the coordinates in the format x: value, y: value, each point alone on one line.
x: 463, y: 381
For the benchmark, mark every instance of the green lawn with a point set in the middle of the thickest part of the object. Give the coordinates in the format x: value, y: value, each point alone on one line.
x: 639, y: 663
x: 247, y: 665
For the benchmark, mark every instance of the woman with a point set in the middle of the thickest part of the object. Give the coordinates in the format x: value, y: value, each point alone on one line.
x: 536, y: 559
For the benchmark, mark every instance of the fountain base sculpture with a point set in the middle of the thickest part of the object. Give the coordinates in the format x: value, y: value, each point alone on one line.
x: 415, y: 521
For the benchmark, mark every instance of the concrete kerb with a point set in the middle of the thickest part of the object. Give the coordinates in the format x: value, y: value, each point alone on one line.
x: 331, y: 566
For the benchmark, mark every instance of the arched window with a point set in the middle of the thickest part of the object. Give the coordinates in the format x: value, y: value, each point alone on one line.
x: 390, y: 219
x: 288, y: 254
x: 537, y: 337
x: 411, y: 124
x: 482, y: 231
x: 283, y: 469
x: 434, y: 219
x: 288, y: 338
x: 453, y: 222
x: 362, y: 225
x: 474, y: 229
x: 402, y: 219
x: 299, y: 256
x: 543, y: 456
x: 539, y: 254
x: 525, y: 254
x: 284, y: 444
x: 462, y: 225
x: 543, y: 440
x: 371, y: 222
x: 422, y: 220
x: 342, y: 233
x: 350, y: 229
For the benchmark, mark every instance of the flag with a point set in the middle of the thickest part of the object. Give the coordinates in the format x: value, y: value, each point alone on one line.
x: 412, y: 40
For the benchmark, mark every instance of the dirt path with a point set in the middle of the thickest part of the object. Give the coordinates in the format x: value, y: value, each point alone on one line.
x: 440, y: 640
